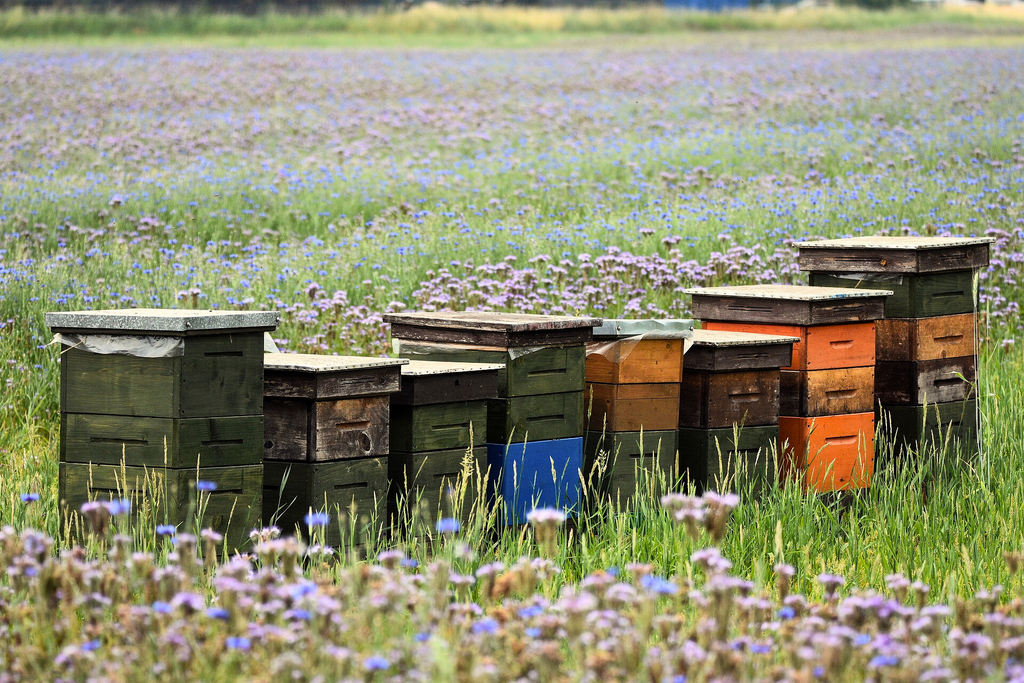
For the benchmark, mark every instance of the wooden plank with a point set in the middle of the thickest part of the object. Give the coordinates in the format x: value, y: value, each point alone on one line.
x: 427, y: 486
x: 168, y: 496
x: 630, y: 361
x: 288, y: 429
x: 823, y: 347
x: 535, y: 418
x: 788, y: 304
x: 508, y: 330
x: 895, y: 254
x: 617, y: 463
x: 351, y: 428
x: 729, y: 459
x: 161, y: 442
x: 914, y: 296
x: 711, y: 400
x: 297, y: 375
x: 438, y: 426
x: 918, y: 339
x: 525, y: 476
x: 827, y: 392
x: 938, y: 429
x: 431, y: 382
x: 222, y: 375
x: 726, y: 351
x: 906, y: 383
x: 832, y: 453
x: 352, y: 492
x: 632, y: 407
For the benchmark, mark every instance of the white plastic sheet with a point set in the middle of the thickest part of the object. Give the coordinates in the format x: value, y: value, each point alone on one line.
x: 123, y: 344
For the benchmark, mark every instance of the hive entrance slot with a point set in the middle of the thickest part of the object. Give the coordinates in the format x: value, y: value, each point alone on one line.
x: 118, y: 442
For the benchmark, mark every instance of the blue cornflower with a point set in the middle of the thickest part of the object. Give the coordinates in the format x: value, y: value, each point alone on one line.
x: 658, y: 585
x: 376, y: 663
x: 884, y: 660
x: 120, y: 507
x: 422, y: 637
x: 206, y: 485
x: 29, y: 497
x: 533, y: 632
x: 531, y: 611
x: 409, y: 563
x: 166, y: 530
x: 760, y: 649
x: 218, y: 613
x: 91, y: 645
x: 486, y: 625
x: 238, y: 643
x: 161, y: 607
x: 314, y: 519
x: 787, y: 613
x: 448, y: 525
x: 862, y: 640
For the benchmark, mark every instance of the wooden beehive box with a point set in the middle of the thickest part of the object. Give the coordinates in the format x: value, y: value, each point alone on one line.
x: 897, y: 254
x: 827, y: 392
x: 535, y: 474
x: 788, y: 304
x: 618, y: 463
x: 732, y: 378
x: 909, y: 383
x: 832, y: 453
x: 632, y: 407
x: 482, y: 328
x: 637, y: 351
x: 535, y: 418
x: 820, y: 347
x: 914, y: 296
x: 944, y: 428
x: 922, y: 339
x: 437, y: 484
x: 353, y: 492
x: 729, y: 459
x: 324, y: 408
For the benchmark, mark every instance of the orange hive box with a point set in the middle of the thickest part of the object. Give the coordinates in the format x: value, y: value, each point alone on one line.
x: 632, y: 407
x: 631, y: 361
x: 916, y: 339
x: 823, y: 347
x: 831, y: 453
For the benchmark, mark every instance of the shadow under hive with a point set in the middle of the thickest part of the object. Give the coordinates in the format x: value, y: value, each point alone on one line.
x: 926, y: 347
x: 633, y: 370
x: 826, y: 421
x: 540, y: 393
x: 729, y: 409
x: 327, y: 442
x: 438, y: 461
x: 175, y: 396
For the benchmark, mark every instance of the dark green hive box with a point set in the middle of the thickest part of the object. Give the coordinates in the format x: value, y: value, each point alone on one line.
x: 535, y: 418
x: 914, y: 296
x: 447, y: 483
x: 950, y: 427
x: 709, y: 457
x: 617, y: 463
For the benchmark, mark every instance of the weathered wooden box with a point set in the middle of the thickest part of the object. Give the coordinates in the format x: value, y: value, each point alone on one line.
x: 821, y: 347
x: 940, y: 428
x: 429, y: 486
x: 535, y: 418
x: 917, y: 339
x: 897, y: 254
x: 323, y: 408
x: 909, y: 383
x: 536, y: 474
x: 353, y: 492
x: 914, y: 296
x: 483, y: 328
x: 817, y: 393
x: 616, y: 464
x: 832, y: 453
x: 524, y: 371
x: 439, y: 426
x: 729, y: 459
x: 169, y: 496
x: 637, y: 351
x: 788, y: 304
x: 632, y: 407
x: 709, y: 400
x: 729, y: 351
x: 427, y: 382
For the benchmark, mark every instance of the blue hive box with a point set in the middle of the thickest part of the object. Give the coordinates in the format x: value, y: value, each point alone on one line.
x: 521, y: 473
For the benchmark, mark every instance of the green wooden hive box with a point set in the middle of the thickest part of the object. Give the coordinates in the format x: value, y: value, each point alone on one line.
x: 617, y: 464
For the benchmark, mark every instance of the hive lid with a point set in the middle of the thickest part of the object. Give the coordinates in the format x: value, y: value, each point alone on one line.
x: 894, y: 254
x: 422, y: 368
x: 174, y: 321
x: 308, y: 362
x: 485, y: 328
x: 788, y: 304
x: 727, y: 351
x: 723, y: 338
x: 613, y: 328
x: 788, y: 292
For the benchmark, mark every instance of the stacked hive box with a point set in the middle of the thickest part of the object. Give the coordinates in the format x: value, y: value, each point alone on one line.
x: 826, y: 422
x: 438, y: 440
x: 729, y: 409
x: 926, y: 346
x: 632, y: 395
x: 535, y: 427
x: 174, y: 397
x: 327, y: 442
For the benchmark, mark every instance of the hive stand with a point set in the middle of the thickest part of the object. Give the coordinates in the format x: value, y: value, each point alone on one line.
x: 173, y: 396
x: 438, y: 461
x: 826, y: 425
x: 327, y: 442
x: 926, y: 347
x: 729, y: 409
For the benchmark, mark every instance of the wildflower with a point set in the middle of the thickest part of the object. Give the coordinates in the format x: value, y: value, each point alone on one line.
x: 29, y: 497
x: 486, y: 625
x: 376, y: 663
x: 161, y: 607
x: 120, y: 507
x: 166, y: 530
x: 448, y: 525
x: 218, y: 613
x: 317, y: 519
x: 546, y: 522
x: 202, y: 485
x: 238, y: 643
x: 658, y: 585
x: 98, y: 516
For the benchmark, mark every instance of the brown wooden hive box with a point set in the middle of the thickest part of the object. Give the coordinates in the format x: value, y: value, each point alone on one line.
x: 727, y: 351
x: 426, y: 486
x: 820, y: 347
x: 827, y: 392
x: 431, y: 382
x: 618, y: 463
x: 918, y: 339
x: 896, y: 254
x: 523, y: 372
x: 324, y: 408
x: 507, y: 330
x: 643, y: 361
x: 909, y: 383
x: 914, y: 296
x: 709, y: 400
x: 788, y: 304
x: 632, y: 407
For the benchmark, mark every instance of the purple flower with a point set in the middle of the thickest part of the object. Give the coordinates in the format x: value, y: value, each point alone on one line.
x: 317, y: 519
x: 238, y: 643
x: 29, y: 497
x: 448, y: 525
x: 202, y: 485
x: 376, y: 663
x: 166, y: 530
x: 486, y: 625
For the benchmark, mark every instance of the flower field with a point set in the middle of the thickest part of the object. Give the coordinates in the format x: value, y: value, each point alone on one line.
x: 335, y: 186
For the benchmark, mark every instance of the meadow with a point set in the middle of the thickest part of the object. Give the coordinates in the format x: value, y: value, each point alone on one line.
x: 336, y: 185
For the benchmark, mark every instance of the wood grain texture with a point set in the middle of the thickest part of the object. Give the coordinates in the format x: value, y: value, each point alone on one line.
x: 508, y: 330
x: 525, y: 476
x: 616, y: 464
x: 161, y: 442
x: 218, y: 375
x: 827, y: 392
x: 892, y: 259
x: 449, y: 387
x: 428, y: 486
x: 726, y: 308
x: 909, y: 383
x: 935, y: 430
x: 707, y: 356
x: 331, y: 385
x: 353, y: 492
x: 440, y: 426
x: 628, y: 361
x: 535, y: 418
x: 822, y: 347
x: 233, y: 509
x: 721, y: 460
x: 917, y: 339
x: 504, y: 339
x: 352, y: 428
x: 915, y: 296
x: 712, y: 400
x: 632, y: 407
x: 833, y: 453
